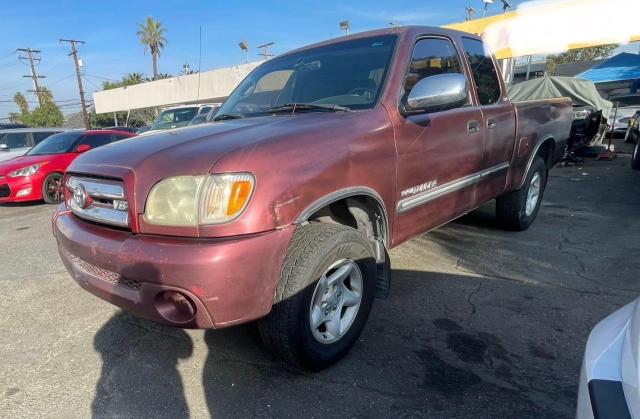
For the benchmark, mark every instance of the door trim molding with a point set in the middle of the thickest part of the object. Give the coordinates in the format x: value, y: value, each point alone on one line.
x: 453, y: 186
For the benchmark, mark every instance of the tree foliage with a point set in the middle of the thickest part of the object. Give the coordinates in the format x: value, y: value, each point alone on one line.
x: 152, y: 35
x: 579, y: 54
x: 128, y: 79
x: 46, y: 115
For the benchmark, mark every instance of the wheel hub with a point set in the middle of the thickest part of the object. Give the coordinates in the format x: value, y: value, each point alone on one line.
x: 336, y: 301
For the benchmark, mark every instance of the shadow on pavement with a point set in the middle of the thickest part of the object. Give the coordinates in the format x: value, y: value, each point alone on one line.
x: 139, y: 377
x: 443, y: 345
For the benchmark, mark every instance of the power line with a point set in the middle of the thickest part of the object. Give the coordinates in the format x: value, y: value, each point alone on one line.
x: 74, y: 52
x: 34, y: 76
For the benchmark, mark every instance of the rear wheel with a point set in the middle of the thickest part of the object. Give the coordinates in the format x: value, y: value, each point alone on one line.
x: 517, y: 210
x: 52, y: 190
x: 324, y: 296
x: 635, y: 157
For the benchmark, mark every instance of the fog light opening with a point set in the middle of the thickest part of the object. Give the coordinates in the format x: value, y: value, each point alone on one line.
x: 23, y: 192
x: 175, y: 307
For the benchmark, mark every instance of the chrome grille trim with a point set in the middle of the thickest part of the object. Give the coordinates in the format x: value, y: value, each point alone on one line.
x: 97, y: 210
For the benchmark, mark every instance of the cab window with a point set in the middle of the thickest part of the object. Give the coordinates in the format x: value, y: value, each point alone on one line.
x: 484, y: 72
x: 431, y: 56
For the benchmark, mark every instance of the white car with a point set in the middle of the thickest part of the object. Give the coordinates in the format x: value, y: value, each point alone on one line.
x: 17, y: 141
x: 627, y: 105
x: 178, y: 116
x: 611, y: 367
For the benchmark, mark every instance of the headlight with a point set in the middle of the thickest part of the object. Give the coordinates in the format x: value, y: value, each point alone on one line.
x: 199, y: 200
x: 583, y: 114
x: 25, y: 171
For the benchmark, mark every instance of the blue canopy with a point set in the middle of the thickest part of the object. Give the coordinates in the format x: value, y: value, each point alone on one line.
x: 621, y: 67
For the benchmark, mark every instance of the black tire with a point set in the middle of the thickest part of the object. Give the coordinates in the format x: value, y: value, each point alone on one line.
x: 635, y: 157
x: 314, y: 248
x: 511, y: 208
x: 52, y: 189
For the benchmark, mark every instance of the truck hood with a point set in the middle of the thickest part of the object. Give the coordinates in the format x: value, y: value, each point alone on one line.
x: 143, y: 161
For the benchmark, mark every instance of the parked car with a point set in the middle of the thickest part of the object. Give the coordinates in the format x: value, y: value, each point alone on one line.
x: 11, y: 126
x: 610, y: 375
x: 177, y: 117
x: 627, y: 106
x: 203, y: 118
x: 38, y: 174
x: 320, y: 161
x: 16, y: 142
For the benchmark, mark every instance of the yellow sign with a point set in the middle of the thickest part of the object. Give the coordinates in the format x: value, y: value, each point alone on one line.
x: 543, y: 27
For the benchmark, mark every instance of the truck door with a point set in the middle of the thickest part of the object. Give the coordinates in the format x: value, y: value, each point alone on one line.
x: 439, y: 153
x: 499, y: 121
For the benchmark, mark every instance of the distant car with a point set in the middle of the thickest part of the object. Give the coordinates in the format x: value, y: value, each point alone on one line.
x: 627, y: 105
x: 123, y: 129
x: 179, y: 116
x: 38, y: 174
x: 203, y: 118
x: 609, y: 376
x: 12, y: 125
x: 15, y: 142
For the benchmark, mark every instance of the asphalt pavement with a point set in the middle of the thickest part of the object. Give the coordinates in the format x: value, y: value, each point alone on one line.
x: 480, y: 323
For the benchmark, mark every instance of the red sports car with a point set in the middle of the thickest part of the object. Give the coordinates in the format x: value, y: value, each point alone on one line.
x: 38, y: 174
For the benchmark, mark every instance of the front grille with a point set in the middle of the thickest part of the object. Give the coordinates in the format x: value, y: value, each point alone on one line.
x: 106, y: 275
x: 5, y: 191
x: 98, y: 200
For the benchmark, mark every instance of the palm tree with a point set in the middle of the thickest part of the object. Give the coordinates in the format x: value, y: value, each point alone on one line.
x: 151, y: 35
x: 134, y: 78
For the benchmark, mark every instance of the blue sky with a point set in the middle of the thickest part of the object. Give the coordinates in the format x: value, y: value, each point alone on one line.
x: 112, y: 48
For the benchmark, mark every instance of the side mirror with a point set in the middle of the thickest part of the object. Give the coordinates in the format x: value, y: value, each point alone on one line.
x: 82, y: 148
x: 437, y: 93
x: 4, y: 147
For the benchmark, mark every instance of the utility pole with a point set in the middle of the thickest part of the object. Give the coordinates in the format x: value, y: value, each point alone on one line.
x: 33, y: 75
x: 265, y: 50
x: 74, y: 52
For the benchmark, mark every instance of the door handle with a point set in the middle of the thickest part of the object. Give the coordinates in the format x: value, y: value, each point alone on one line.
x: 491, y: 123
x: 473, y: 126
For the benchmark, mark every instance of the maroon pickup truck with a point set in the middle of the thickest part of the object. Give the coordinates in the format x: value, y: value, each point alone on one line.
x: 284, y: 207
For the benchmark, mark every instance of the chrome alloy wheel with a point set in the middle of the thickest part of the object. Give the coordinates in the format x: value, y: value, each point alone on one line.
x: 335, y: 301
x: 533, y: 194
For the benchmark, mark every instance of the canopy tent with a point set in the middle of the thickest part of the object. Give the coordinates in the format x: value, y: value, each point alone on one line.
x: 621, y: 67
x: 581, y: 92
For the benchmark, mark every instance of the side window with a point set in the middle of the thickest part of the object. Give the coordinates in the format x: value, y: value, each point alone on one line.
x: 484, y: 72
x: 17, y: 140
x: 431, y: 56
x: 117, y: 137
x: 38, y: 137
x: 204, y: 110
x: 97, y: 140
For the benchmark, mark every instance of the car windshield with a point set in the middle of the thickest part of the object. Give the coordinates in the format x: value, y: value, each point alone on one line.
x: 174, y: 118
x: 57, y: 144
x: 349, y: 74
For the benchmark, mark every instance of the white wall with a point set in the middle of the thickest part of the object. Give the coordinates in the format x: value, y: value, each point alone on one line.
x: 215, y: 86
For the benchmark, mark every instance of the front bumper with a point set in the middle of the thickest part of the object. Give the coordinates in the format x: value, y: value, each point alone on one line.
x: 227, y: 280
x: 608, y: 377
x: 20, y: 189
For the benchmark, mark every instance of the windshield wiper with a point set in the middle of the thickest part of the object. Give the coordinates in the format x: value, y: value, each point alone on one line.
x: 226, y: 116
x: 293, y: 107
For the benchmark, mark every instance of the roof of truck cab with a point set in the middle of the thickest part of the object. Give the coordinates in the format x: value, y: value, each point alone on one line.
x: 410, y: 31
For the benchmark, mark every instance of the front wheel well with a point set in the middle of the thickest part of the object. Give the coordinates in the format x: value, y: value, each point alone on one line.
x: 362, y: 212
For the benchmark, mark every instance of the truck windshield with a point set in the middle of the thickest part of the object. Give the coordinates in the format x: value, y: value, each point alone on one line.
x: 57, y: 144
x: 349, y: 74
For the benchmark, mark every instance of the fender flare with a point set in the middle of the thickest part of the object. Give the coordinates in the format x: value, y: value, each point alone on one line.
x: 342, y: 194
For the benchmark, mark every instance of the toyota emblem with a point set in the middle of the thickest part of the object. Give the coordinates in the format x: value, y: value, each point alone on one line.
x: 80, y: 196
